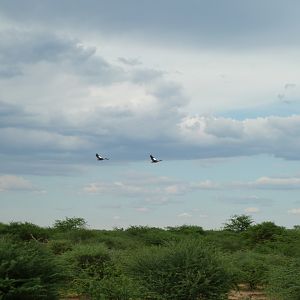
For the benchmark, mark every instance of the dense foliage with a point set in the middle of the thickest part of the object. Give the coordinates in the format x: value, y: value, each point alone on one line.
x: 141, y: 262
x: 28, y: 271
x: 187, y: 270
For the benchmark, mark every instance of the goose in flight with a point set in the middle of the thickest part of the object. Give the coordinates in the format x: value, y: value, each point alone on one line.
x: 154, y: 160
x: 100, y: 157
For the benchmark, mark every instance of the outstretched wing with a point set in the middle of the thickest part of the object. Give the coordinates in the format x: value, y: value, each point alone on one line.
x: 98, y: 156
x: 153, y: 158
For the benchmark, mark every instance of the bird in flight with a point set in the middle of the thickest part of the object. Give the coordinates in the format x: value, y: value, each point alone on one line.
x: 154, y: 160
x: 100, y: 157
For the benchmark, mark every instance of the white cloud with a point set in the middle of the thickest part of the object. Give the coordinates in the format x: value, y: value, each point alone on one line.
x: 151, y: 189
x: 252, y: 210
x: 13, y: 183
x: 265, y: 182
x: 89, y: 99
x: 142, y: 209
x: 221, y: 137
x: 184, y: 215
x: 294, y: 211
x: 276, y: 183
x: 35, y: 140
x: 206, y: 185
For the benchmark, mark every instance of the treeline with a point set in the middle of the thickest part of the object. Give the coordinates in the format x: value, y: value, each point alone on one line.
x: 185, y: 262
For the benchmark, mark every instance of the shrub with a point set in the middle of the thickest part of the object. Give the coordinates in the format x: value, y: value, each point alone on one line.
x: 187, y: 229
x: 150, y: 235
x: 118, y: 242
x: 28, y: 271
x: 114, y: 285
x: 60, y: 246
x: 187, y: 270
x: 91, y: 258
x: 26, y: 231
x: 87, y: 264
x: 266, y: 231
x: 284, y: 281
x: 225, y: 240
x: 252, y: 268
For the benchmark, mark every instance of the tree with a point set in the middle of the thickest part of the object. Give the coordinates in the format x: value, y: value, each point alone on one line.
x: 238, y: 223
x: 70, y: 224
x: 265, y: 231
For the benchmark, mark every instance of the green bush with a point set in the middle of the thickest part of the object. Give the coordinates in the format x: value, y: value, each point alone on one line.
x: 90, y: 258
x: 114, y: 285
x: 26, y: 231
x: 60, y: 246
x: 150, y: 235
x: 118, y: 242
x: 187, y: 230
x: 87, y: 265
x: 284, y: 281
x: 226, y: 240
x: 266, y: 231
x: 188, y: 270
x: 252, y: 268
x: 28, y: 271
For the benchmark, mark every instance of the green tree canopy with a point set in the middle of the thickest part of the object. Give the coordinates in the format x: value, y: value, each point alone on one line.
x: 265, y: 231
x: 238, y: 223
x: 70, y: 224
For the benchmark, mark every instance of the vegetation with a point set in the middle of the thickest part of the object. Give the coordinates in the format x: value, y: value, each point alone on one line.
x: 28, y: 271
x: 238, y: 223
x: 140, y: 262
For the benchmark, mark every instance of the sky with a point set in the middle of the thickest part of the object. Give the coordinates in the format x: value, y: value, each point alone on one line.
x: 210, y: 87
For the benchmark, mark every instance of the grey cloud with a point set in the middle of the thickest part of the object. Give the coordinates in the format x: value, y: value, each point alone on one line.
x: 216, y: 127
x: 145, y: 75
x: 289, y: 86
x: 12, y: 115
x: 21, y: 48
x: 171, y: 94
x: 8, y: 71
x: 286, y: 95
x: 278, y: 136
x: 59, y: 116
x: 37, y: 140
x: 41, y: 164
x: 130, y: 61
x: 47, y: 118
x: 205, y: 23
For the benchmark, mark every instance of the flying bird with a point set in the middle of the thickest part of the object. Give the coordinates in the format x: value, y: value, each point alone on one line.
x: 154, y: 160
x: 100, y: 157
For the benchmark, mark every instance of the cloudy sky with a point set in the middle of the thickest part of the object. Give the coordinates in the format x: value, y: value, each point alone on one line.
x: 210, y: 87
